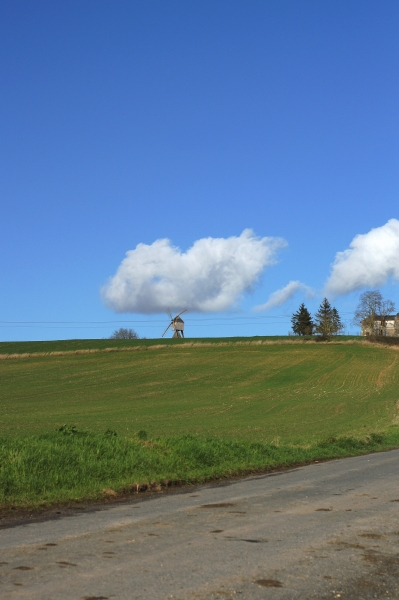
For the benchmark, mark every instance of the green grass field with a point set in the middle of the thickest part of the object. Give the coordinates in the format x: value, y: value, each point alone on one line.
x: 7, y: 348
x: 263, y: 403
x: 296, y: 393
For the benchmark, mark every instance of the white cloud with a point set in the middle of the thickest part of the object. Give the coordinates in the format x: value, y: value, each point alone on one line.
x: 371, y: 259
x: 281, y: 296
x: 210, y: 277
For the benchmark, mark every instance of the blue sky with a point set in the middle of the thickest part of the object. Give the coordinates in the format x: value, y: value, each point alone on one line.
x: 125, y: 123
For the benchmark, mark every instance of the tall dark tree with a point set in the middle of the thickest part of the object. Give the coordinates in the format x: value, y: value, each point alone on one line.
x: 327, y: 321
x: 336, y: 321
x: 302, y: 323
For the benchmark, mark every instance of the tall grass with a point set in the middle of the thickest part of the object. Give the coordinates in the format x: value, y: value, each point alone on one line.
x: 69, y: 465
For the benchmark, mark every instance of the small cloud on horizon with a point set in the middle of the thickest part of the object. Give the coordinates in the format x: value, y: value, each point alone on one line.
x: 282, y: 295
x: 211, y: 276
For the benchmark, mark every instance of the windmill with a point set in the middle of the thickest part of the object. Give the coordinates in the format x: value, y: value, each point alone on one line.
x: 177, y: 324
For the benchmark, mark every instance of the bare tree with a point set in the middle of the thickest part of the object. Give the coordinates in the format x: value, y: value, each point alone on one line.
x: 372, y: 312
x: 124, y: 334
x: 387, y: 309
x: 396, y: 324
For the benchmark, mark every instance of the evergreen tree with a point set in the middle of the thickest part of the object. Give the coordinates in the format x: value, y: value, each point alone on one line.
x: 302, y: 323
x: 336, y: 321
x: 327, y: 320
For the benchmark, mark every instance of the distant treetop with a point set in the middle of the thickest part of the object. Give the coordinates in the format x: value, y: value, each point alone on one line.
x: 124, y: 334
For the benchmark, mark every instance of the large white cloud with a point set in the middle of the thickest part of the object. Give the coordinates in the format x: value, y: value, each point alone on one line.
x: 281, y: 296
x: 370, y: 261
x: 210, y: 277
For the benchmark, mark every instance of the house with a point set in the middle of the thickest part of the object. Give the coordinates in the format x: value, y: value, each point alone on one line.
x: 382, y: 325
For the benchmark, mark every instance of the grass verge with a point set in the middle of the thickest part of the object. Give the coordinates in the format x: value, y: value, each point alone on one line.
x: 68, y: 465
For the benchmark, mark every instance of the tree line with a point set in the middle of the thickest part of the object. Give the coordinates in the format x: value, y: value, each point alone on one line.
x: 326, y: 322
x: 371, y: 315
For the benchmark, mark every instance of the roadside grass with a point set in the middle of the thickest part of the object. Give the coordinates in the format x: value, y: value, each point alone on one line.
x: 71, y: 466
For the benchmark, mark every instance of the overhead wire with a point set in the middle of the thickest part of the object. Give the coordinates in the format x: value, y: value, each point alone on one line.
x: 199, y: 322
x: 140, y: 321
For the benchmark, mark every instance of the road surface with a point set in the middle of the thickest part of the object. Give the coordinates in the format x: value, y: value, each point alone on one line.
x: 327, y: 530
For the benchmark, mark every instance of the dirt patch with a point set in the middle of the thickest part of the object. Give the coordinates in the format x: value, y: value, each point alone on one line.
x: 387, y: 561
x: 218, y: 505
x: 349, y: 545
x: 273, y: 583
x: 217, y: 531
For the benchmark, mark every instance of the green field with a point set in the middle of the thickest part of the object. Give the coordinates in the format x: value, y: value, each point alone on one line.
x: 9, y: 348
x: 209, y: 408
x: 294, y: 393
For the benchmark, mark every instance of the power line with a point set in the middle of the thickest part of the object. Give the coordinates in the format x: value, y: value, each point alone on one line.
x: 33, y: 326
x: 258, y: 323
x: 190, y: 320
x: 133, y: 321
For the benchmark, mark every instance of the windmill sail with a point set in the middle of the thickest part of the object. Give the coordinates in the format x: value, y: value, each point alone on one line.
x: 167, y: 328
x: 176, y: 323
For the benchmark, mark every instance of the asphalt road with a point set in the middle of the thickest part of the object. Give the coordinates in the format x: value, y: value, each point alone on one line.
x: 328, y: 530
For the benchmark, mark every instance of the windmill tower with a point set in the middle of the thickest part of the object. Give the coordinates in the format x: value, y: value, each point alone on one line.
x: 177, y: 325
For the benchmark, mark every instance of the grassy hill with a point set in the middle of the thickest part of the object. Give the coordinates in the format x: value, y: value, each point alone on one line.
x: 81, y: 419
x: 101, y: 345
x: 245, y: 389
